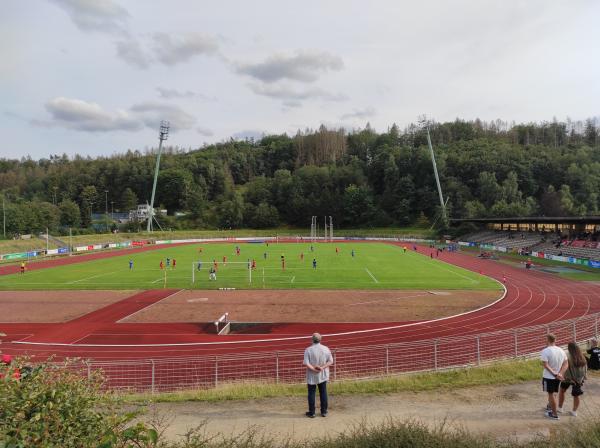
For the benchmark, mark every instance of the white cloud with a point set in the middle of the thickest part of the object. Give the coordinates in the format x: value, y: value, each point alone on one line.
x: 359, y: 114
x: 204, y: 131
x: 303, y: 66
x: 80, y: 115
x: 94, y: 15
x: 171, y: 50
x: 152, y: 113
x: 166, y: 93
x: 132, y: 52
x: 293, y: 96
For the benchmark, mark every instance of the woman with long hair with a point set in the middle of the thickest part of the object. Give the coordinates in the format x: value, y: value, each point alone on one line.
x: 574, y: 376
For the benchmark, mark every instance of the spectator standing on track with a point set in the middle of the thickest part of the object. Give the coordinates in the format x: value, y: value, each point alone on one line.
x: 575, y: 375
x: 555, y: 363
x: 130, y: 265
x: 594, y: 352
x: 317, y: 360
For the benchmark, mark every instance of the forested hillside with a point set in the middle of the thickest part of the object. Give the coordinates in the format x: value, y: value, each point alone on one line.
x: 362, y: 178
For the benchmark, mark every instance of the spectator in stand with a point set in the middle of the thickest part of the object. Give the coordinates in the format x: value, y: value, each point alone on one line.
x: 594, y: 352
x: 574, y: 376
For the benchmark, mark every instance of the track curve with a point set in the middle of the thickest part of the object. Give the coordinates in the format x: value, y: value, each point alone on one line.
x: 532, y: 298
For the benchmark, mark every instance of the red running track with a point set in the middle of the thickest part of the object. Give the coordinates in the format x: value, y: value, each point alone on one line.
x: 532, y: 298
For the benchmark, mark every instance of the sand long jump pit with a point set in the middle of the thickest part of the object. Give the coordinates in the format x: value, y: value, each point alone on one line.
x: 313, y: 305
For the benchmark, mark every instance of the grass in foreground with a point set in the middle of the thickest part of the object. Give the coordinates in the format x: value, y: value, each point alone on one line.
x: 373, y: 266
x: 501, y: 373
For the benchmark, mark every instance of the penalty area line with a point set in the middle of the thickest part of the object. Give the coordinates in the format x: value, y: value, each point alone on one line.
x: 372, y: 276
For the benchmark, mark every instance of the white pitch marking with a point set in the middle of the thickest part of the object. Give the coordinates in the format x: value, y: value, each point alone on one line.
x: 158, y: 280
x: 293, y: 278
x: 93, y: 276
x: 372, y: 276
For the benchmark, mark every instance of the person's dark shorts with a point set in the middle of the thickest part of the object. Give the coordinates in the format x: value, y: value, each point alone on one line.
x: 550, y: 386
x: 576, y: 391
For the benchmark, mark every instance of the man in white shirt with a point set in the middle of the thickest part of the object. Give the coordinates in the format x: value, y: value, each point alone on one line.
x: 555, y: 364
x: 317, y: 359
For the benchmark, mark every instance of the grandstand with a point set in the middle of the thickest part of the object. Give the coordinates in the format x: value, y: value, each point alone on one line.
x: 577, y: 237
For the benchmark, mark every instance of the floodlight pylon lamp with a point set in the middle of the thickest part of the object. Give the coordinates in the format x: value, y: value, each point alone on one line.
x: 163, y: 134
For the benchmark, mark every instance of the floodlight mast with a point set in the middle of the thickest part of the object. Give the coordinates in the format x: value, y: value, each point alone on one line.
x: 437, y: 178
x: 163, y: 134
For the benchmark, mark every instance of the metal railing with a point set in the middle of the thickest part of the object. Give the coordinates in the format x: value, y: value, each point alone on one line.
x: 360, y: 362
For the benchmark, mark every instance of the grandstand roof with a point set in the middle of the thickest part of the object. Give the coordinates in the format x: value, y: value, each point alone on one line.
x: 534, y: 219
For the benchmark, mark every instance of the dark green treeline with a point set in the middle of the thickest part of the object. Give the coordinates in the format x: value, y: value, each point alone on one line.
x: 362, y: 178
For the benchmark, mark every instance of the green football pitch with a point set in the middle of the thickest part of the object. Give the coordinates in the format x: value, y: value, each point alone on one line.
x: 373, y: 266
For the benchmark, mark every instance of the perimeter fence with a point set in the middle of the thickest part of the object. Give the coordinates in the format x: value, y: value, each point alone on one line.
x: 350, y: 363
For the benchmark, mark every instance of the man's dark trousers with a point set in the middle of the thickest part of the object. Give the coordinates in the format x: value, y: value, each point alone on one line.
x: 312, y: 391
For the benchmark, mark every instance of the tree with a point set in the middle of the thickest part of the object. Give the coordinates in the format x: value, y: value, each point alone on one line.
x: 129, y: 200
x: 489, y: 190
x: 265, y: 216
x: 88, y: 197
x: 358, y: 205
x: 173, y: 187
x: 70, y: 215
x: 230, y: 212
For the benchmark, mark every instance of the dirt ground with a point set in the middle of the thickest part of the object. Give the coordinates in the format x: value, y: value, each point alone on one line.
x: 313, y: 306
x: 503, y: 411
x: 53, y: 306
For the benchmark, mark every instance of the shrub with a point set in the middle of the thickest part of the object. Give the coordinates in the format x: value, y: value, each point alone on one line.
x: 57, y: 406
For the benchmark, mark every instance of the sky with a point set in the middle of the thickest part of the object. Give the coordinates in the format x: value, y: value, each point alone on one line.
x: 96, y: 77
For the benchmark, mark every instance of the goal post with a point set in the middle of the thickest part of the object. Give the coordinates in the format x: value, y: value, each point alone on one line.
x: 202, y: 267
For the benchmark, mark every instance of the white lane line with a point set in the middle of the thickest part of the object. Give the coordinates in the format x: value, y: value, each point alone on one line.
x: 149, y: 306
x: 372, y: 276
x: 81, y: 339
x: 93, y: 276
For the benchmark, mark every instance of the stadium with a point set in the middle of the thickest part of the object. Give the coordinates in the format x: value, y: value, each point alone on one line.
x: 211, y: 212
x: 184, y: 331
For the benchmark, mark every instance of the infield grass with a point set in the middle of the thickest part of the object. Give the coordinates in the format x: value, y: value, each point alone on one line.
x: 373, y: 266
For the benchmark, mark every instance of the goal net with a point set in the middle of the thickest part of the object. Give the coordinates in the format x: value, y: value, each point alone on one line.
x: 226, y: 274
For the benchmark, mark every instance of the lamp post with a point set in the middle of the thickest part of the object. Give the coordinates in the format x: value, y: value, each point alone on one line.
x: 3, y: 215
x: 106, y: 208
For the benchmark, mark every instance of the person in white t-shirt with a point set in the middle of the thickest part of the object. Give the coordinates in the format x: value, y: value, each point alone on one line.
x: 555, y: 364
